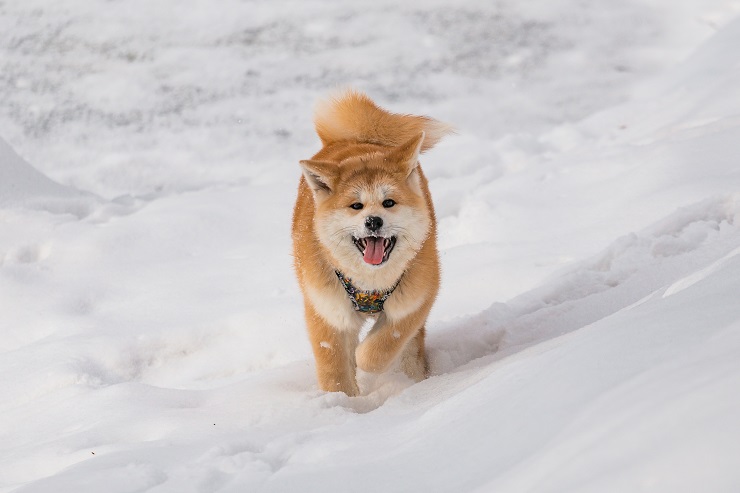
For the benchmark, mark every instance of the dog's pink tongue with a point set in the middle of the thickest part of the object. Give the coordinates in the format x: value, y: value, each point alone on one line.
x: 374, y: 250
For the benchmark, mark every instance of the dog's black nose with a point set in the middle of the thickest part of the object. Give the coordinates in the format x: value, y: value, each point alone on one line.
x: 373, y: 223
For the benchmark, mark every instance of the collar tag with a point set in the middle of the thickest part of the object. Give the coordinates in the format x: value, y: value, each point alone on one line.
x: 365, y: 301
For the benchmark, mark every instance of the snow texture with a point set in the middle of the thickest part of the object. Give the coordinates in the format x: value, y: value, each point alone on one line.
x: 586, y: 335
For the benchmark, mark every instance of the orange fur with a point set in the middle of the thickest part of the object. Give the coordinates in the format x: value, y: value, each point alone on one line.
x: 369, y: 156
x: 352, y: 116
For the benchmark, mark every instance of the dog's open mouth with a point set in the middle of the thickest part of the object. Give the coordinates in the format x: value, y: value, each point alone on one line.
x: 375, y: 249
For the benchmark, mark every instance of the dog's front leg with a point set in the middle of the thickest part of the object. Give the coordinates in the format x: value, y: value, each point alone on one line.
x: 388, y: 338
x: 334, y: 351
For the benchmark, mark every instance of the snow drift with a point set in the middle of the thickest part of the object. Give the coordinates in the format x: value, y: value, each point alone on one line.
x: 22, y: 185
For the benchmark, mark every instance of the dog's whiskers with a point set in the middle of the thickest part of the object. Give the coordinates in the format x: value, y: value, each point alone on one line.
x: 342, y: 231
x: 406, y: 235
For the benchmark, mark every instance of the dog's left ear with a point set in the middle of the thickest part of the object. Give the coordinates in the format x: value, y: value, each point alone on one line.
x: 407, y: 154
x: 407, y: 157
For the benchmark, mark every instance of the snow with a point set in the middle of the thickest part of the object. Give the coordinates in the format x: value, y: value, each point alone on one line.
x: 586, y: 335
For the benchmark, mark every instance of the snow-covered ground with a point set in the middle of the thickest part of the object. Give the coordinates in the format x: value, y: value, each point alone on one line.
x: 587, y: 334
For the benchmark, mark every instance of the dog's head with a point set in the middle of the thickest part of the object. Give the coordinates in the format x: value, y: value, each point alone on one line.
x: 371, y: 212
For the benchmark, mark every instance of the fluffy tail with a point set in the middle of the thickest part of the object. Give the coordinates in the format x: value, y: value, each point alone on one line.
x: 353, y: 116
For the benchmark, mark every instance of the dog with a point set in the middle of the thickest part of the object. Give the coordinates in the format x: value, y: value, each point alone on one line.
x: 365, y: 240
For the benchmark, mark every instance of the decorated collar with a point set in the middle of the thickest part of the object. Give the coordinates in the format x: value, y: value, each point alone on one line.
x: 365, y: 301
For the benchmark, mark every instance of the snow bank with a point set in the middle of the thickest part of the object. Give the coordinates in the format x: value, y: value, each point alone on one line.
x: 22, y: 185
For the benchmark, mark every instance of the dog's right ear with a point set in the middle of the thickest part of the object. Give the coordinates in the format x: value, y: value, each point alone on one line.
x: 321, y: 176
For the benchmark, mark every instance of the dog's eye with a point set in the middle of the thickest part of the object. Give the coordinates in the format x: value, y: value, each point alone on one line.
x: 357, y: 206
x: 389, y: 203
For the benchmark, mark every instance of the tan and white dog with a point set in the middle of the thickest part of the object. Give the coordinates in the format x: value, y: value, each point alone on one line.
x: 364, y: 240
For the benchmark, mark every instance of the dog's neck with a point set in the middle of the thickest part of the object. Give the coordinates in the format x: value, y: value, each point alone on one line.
x: 365, y: 301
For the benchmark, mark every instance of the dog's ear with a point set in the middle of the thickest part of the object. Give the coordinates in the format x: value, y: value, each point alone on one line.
x: 406, y: 157
x: 321, y: 176
x: 407, y: 154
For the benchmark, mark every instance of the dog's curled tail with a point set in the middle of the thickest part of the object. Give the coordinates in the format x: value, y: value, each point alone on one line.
x: 352, y: 116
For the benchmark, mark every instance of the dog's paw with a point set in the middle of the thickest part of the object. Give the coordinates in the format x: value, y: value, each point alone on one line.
x: 339, y: 382
x: 372, y: 359
x: 351, y: 390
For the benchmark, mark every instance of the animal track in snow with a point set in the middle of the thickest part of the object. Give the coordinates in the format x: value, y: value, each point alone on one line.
x: 28, y: 254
